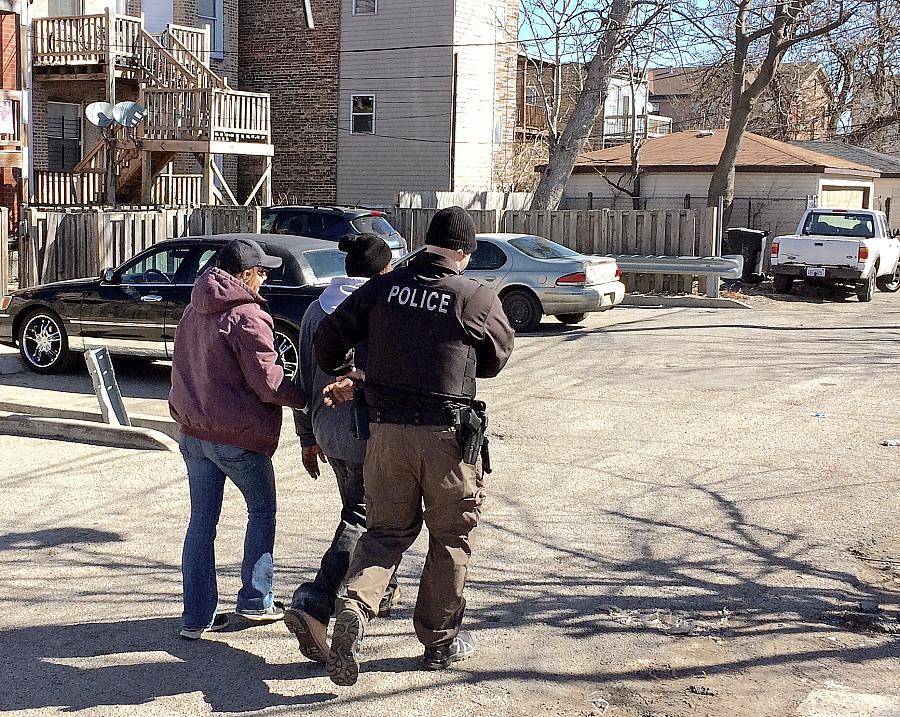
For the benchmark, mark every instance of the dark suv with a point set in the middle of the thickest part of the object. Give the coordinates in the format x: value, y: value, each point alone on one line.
x: 331, y: 223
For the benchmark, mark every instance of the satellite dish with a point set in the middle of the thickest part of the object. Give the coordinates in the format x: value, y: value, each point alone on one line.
x: 99, y: 114
x: 129, y: 114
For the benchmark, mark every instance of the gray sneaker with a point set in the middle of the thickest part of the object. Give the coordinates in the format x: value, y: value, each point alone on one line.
x: 343, y: 658
x: 220, y: 622
x: 273, y: 614
x: 439, y: 658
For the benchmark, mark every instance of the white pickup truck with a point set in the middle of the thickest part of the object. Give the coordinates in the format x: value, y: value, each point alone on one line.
x: 853, y: 246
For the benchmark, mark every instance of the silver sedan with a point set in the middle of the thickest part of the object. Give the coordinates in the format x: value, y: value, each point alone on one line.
x: 536, y: 277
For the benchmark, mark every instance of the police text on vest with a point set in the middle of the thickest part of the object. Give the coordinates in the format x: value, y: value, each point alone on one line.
x: 420, y: 298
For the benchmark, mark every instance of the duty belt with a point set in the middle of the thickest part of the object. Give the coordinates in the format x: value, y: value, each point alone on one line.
x: 418, y: 416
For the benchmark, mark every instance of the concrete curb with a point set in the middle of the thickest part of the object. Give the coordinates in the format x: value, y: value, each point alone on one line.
x: 689, y: 302
x: 138, y: 420
x: 68, y: 429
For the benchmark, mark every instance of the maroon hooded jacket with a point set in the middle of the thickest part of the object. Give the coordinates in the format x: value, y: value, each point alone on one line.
x: 226, y: 386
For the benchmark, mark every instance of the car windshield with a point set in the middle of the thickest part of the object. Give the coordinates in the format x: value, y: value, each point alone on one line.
x: 540, y: 248
x: 374, y: 225
x: 845, y: 224
x: 325, y: 264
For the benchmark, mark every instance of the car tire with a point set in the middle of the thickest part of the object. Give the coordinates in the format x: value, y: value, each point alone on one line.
x: 571, y: 319
x: 287, y: 346
x: 865, y: 289
x: 522, y: 309
x: 43, y: 342
x: 891, y: 282
x: 783, y: 283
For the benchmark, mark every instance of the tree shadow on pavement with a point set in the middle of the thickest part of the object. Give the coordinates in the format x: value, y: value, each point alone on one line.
x: 133, y: 662
x: 743, y: 580
x: 56, y: 537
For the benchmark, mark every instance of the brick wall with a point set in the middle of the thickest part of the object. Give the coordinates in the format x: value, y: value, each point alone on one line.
x: 9, y: 55
x: 299, y: 68
x: 82, y: 92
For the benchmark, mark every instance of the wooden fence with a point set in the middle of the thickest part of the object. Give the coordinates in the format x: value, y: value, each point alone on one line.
x: 73, y: 244
x: 664, y: 232
x: 413, y: 223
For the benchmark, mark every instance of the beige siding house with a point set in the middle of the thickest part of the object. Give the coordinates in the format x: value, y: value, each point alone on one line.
x: 774, y: 183
x: 423, y: 118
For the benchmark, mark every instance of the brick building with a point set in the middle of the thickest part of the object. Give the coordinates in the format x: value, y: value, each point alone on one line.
x: 10, y: 114
x: 380, y: 96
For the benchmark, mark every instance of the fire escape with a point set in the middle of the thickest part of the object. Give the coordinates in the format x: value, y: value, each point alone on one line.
x: 190, y: 110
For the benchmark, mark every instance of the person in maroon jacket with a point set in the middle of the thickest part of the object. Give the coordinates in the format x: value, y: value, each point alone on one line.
x: 227, y: 397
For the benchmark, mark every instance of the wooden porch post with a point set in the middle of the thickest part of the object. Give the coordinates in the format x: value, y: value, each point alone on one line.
x: 207, y: 186
x: 147, y: 178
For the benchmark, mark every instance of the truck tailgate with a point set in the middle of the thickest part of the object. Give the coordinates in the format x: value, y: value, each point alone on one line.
x: 818, y: 251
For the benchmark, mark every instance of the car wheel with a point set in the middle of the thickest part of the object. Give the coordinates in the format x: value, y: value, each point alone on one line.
x: 522, y: 309
x: 571, y: 319
x: 43, y: 343
x: 286, y: 346
x: 783, y: 283
x: 891, y: 282
x: 865, y: 289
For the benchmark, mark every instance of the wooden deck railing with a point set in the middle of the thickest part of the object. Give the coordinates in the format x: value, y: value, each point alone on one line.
x: 241, y: 117
x: 72, y: 189
x: 194, y: 64
x: 207, y: 115
x: 178, y: 190
x: 75, y: 40
x: 194, y: 39
x: 67, y: 189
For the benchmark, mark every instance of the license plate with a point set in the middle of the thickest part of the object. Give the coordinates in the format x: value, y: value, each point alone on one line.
x: 811, y: 271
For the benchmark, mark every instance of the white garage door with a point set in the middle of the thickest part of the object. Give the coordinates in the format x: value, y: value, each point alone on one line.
x: 844, y: 198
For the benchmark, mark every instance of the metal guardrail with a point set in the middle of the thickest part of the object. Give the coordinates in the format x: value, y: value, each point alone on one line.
x: 725, y: 267
x: 112, y: 407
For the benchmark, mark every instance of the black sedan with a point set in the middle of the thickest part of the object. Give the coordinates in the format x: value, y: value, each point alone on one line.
x: 135, y: 308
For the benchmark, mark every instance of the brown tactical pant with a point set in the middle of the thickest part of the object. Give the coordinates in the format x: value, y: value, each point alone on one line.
x: 406, y: 465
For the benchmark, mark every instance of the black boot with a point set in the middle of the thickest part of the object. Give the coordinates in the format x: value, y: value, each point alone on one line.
x: 441, y: 657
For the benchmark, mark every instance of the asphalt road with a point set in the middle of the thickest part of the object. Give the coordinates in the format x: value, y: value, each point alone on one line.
x: 687, y: 509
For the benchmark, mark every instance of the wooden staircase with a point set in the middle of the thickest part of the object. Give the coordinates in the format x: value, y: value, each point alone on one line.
x: 190, y: 109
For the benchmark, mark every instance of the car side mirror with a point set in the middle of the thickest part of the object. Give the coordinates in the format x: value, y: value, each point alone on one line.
x: 108, y: 275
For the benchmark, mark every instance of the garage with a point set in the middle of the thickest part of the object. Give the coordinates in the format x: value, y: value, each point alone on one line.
x: 844, y: 197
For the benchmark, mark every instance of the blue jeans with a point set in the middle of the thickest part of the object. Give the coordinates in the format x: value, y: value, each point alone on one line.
x: 208, y: 464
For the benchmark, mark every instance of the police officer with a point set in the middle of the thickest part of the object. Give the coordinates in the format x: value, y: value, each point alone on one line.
x: 430, y: 333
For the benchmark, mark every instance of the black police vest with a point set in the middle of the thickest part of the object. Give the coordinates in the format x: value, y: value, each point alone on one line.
x: 417, y: 342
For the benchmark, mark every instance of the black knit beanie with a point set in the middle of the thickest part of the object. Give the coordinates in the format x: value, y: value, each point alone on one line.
x: 367, y: 254
x: 452, y: 228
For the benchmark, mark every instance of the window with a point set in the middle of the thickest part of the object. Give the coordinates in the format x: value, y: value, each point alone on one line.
x: 326, y: 264
x: 540, y: 248
x: 158, y: 267
x: 63, y: 136
x: 203, y: 262
x: 498, y: 128
x: 374, y: 225
x: 487, y: 257
x: 840, y: 225
x: 365, y: 7
x: 64, y: 8
x: 531, y: 96
x: 501, y: 23
x: 362, y: 114
x: 210, y: 14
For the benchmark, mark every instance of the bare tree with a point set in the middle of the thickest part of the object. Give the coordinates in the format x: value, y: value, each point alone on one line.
x: 762, y: 33
x: 863, y: 60
x: 614, y: 28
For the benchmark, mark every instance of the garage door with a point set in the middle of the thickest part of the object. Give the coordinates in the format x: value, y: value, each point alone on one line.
x: 844, y: 198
